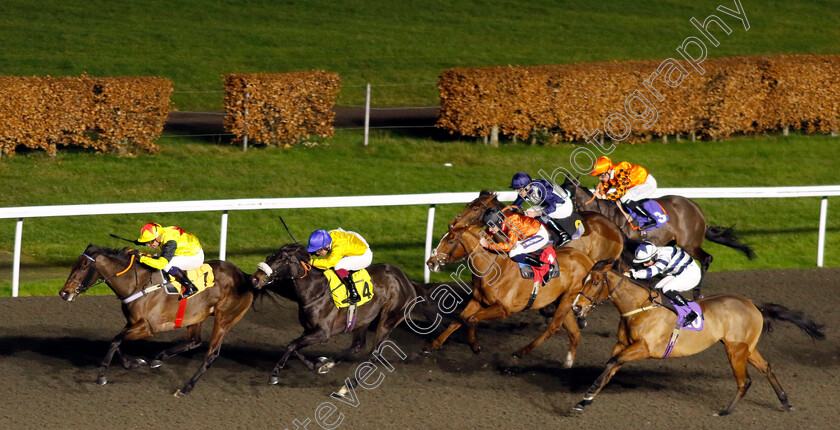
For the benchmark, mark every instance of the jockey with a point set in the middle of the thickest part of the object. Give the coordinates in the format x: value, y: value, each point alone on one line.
x: 680, y: 272
x: 343, y: 251
x: 179, y: 251
x: 632, y: 183
x: 550, y: 203
x: 524, y: 235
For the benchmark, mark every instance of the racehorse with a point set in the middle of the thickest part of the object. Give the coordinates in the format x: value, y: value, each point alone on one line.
x: 154, y: 310
x: 502, y: 290
x: 602, y: 239
x: 687, y: 225
x: 646, y: 327
x: 287, y: 272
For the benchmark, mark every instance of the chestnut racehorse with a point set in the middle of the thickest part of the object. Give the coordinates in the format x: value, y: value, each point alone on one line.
x: 155, y: 312
x: 646, y: 327
x: 686, y: 226
x: 499, y: 289
x: 602, y: 239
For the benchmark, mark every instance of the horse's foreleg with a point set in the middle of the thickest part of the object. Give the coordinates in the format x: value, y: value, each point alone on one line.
x: 472, y: 307
x: 559, y: 319
x: 764, y: 367
x: 496, y: 311
x: 359, y: 341
x: 635, y: 351
x: 193, y: 342
x: 139, y: 330
x: 301, y: 342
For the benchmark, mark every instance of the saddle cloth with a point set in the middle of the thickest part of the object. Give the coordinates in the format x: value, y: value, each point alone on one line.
x: 655, y: 210
x: 549, y: 256
x: 202, y: 277
x: 364, y: 285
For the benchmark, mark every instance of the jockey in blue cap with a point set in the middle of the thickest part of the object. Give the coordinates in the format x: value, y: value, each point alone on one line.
x: 550, y: 203
x: 343, y: 251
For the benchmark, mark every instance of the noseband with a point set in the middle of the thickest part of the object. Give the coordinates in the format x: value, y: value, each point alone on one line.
x: 592, y: 302
x: 81, y: 288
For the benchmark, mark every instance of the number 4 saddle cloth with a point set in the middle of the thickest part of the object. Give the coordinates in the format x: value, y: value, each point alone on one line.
x: 364, y: 286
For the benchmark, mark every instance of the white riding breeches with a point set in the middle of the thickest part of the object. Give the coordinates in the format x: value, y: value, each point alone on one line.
x: 530, y: 244
x: 186, y: 262
x: 642, y: 191
x: 563, y: 210
x: 688, y: 279
x: 352, y: 263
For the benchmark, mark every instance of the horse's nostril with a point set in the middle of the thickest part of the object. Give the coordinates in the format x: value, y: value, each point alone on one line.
x: 576, y: 308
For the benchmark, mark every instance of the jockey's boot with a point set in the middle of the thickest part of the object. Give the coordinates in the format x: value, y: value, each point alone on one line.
x: 554, y: 227
x: 353, y: 296
x: 533, y: 261
x: 679, y: 300
x: 189, y: 288
x: 640, y: 210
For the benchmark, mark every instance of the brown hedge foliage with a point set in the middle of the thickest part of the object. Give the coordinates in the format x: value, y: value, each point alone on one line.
x: 282, y: 109
x: 120, y: 114
x: 734, y: 95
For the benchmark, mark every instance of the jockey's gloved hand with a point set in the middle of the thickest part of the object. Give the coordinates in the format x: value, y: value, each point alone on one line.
x: 134, y: 252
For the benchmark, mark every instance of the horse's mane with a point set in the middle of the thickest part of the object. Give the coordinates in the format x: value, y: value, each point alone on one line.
x: 294, y: 249
x: 485, y: 193
x: 119, y: 254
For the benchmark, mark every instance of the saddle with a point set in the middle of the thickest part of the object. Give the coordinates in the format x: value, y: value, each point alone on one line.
x: 364, y: 285
x: 660, y: 217
x: 546, y: 255
x: 203, y: 278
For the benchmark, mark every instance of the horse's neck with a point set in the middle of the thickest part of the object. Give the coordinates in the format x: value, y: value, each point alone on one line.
x: 127, y: 283
x: 311, y: 288
x: 480, y: 265
x: 627, y: 295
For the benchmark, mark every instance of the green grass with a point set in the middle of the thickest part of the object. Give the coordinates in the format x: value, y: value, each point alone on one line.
x: 195, y: 42
x: 782, y: 231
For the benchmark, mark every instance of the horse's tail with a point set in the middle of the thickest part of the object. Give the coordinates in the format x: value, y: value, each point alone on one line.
x: 773, y: 312
x: 726, y: 236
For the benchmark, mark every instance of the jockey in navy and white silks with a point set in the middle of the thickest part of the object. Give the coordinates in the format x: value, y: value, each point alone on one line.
x: 680, y: 272
x: 551, y: 203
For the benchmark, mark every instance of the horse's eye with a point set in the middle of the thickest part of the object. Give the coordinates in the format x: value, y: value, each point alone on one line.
x: 458, y: 216
x: 451, y: 242
x: 475, y: 209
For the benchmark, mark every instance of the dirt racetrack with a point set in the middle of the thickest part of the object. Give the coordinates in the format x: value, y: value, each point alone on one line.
x: 49, y: 352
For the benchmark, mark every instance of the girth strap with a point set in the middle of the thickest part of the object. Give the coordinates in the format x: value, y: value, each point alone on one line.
x: 140, y: 293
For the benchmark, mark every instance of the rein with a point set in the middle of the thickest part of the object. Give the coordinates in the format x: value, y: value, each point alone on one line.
x: 78, y: 290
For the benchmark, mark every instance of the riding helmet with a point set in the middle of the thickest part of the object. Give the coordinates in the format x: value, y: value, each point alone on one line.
x: 149, y: 232
x: 493, y: 218
x: 520, y: 180
x: 319, y: 239
x: 602, y: 165
x: 645, y: 252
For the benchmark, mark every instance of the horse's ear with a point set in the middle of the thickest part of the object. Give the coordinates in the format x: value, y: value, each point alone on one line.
x: 603, y: 265
x: 485, y: 193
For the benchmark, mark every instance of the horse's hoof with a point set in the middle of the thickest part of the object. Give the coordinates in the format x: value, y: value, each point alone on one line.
x: 428, y: 349
x: 273, y: 380
x: 578, y: 408
x: 476, y: 349
x: 581, y: 322
x: 138, y: 362
x: 518, y: 354
x: 325, y: 368
x: 102, y: 380
x: 155, y: 364
x: 179, y: 393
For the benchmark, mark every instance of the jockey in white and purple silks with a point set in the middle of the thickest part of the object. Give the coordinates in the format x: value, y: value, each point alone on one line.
x: 551, y: 203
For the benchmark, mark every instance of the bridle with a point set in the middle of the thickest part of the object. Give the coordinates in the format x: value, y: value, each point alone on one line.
x: 593, y: 302
x: 270, y: 273
x: 82, y: 285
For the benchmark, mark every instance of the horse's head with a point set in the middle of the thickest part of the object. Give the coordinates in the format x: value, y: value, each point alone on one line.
x: 475, y: 209
x: 289, y: 262
x: 90, y: 267
x: 596, y: 288
x: 455, y: 245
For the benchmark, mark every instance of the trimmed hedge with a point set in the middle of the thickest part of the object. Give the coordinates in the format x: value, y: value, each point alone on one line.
x: 281, y: 109
x: 117, y: 114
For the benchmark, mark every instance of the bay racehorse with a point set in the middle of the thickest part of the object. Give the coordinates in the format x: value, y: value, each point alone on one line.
x: 602, y: 239
x: 686, y: 226
x: 646, y: 328
x: 288, y: 273
x: 499, y: 290
x: 154, y: 310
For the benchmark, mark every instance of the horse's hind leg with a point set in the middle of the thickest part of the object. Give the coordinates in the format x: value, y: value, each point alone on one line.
x: 193, y: 342
x: 764, y: 367
x: 737, y: 353
x: 301, y: 342
x: 562, y: 317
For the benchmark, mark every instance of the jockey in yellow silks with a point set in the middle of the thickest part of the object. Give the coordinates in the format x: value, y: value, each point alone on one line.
x: 179, y: 251
x: 343, y: 251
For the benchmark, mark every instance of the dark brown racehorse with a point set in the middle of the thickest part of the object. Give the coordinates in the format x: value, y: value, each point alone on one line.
x: 292, y: 277
x: 645, y: 329
x: 601, y: 241
x: 686, y: 226
x: 227, y: 301
x: 502, y: 290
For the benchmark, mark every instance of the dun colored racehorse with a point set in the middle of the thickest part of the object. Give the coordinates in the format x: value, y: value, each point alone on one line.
x: 686, y: 225
x: 287, y: 272
x: 602, y: 239
x: 227, y: 301
x: 646, y: 327
x: 502, y: 291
